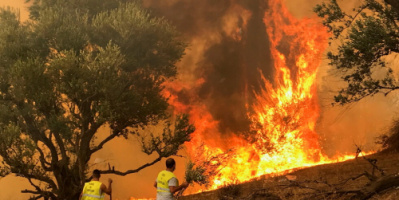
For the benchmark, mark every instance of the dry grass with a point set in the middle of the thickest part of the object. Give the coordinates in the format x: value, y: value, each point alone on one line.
x: 310, y: 181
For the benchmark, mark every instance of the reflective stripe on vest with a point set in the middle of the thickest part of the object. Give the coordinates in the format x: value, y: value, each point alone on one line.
x: 163, y: 179
x: 94, y: 196
x: 92, y: 191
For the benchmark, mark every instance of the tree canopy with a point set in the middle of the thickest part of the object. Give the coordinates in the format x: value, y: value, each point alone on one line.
x: 366, y: 35
x: 74, y: 67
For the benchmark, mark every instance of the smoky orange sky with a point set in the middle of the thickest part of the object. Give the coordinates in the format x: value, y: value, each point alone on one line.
x: 340, y: 127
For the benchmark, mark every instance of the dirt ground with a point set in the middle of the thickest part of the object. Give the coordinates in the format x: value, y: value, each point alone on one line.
x: 319, y: 182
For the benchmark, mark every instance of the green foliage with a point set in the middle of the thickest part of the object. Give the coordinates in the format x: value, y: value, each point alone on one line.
x: 332, y: 13
x: 367, y: 35
x: 169, y: 142
x: 91, y: 7
x: 75, y: 67
x: 196, y: 174
x: 62, y: 29
x: 132, y: 28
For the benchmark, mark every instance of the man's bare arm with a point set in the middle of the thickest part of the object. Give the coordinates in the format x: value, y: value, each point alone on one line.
x: 174, y: 189
x: 107, y: 190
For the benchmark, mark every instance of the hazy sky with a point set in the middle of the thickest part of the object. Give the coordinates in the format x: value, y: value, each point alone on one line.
x: 20, y: 4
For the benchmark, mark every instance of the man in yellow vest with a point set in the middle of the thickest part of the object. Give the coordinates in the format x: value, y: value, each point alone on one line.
x: 94, y: 190
x: 167, y: 183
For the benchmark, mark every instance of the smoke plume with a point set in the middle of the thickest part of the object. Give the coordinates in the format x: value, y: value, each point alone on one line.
x: 234, y: 47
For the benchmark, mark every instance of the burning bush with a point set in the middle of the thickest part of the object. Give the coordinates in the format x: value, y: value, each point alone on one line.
x: 196, y: 174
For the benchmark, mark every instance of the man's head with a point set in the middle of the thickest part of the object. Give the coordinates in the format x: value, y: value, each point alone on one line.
x: 96, y: 174
x: 171, y: 164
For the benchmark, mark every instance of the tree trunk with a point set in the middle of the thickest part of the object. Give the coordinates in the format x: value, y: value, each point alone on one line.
x: 69, y: 184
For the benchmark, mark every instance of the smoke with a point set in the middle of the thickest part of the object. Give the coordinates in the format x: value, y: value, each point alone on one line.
x: 234, y: 47
x: 228, y: 44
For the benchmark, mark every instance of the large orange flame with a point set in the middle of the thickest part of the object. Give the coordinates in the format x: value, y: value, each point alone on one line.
x: 283, y: 116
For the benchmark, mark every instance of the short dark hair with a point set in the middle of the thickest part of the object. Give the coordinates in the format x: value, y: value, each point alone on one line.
x: 96, y: 173
x: 170, y: 162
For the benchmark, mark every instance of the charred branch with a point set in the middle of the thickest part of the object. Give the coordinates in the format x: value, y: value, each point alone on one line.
x: 373, y: 162
x: 366, y: 174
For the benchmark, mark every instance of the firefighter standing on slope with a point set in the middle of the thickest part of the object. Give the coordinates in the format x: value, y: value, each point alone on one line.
x: 167, y: 183
x: 94, y: 190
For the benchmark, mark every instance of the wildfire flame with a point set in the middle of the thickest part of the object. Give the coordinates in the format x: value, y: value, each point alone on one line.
x: 283, y: 116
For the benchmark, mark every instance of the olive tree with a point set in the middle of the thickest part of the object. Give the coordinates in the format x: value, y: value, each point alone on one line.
x: 71, y: 70
x: 366, y: 35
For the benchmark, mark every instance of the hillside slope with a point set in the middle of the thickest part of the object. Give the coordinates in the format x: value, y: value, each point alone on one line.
x: 319, y: 182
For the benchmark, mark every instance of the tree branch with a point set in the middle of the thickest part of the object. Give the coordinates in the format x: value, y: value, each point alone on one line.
x: 43, y: 179
x: 30, y: 191
x: 33, y: 192
x: 35, y: 186
x: 356, y: 15
x: 61, y: 145
x: 366, y: 174
x: 84, y: 144
x: 112, y: 171
x: 102, y: 143
x: 34, y: 132
x: 43, y: 161
x: 372, y: 163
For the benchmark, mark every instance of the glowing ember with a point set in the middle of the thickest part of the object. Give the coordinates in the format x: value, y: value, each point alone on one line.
x: 284, y: 115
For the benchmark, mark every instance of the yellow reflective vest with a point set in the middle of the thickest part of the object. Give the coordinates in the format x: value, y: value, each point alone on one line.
x: 163, y: 179
x: 92, y: 191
